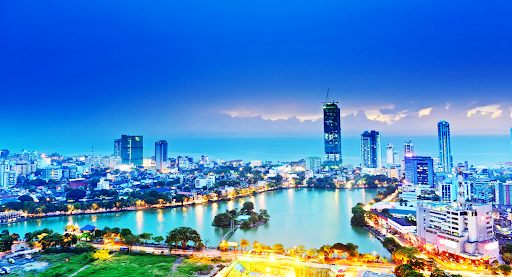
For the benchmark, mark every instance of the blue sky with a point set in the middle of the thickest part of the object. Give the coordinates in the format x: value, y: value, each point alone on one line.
x: 98, y: 69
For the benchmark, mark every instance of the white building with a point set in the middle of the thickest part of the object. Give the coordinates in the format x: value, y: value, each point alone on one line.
x: 464, y: 230
x: 200, y: 183
x: 256, y: 163
x: 314, y: 164
x: 210, y: 180
x: 401, y: 226
x: 7, y: 174
x: 103, y: 184
x: 394, y: 171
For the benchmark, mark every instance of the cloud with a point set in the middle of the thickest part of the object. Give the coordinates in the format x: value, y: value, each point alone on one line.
x: 424, y: 112
x: 377, y: 115
x: 272, y: 116
x: 447, y: 106
x: 493, y: 109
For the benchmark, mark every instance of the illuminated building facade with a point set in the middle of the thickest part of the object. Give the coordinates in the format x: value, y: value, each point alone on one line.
x: 332, y: 135
x: 132, y: 150
x: 160, y: 155
x: 419, y: 170
x: 408, y: 149
x: 464, y: 230
x: 445, y: 152
x: 370, y: 150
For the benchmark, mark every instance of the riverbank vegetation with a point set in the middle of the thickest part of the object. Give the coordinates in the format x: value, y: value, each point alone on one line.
x: 230, y: 217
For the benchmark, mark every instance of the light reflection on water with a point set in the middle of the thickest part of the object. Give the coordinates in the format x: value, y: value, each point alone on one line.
x: 297, y: 216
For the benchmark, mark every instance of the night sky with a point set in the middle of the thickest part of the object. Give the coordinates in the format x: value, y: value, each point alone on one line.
x: 99, y: 69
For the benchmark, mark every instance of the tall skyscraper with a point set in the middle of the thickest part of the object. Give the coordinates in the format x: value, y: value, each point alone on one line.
x: 132, y: 150
x: 419, y: 170
x: 161, y: 155
x: 390, y: 154
x: 117, y: 148
x: 332, y: 135
x: 408, y: 149
x: 370, y: 149
x: 445, y: 152
x: 396, y: 158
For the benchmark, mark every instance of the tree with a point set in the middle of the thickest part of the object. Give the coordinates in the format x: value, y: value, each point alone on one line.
x: 158, y: 239
x: 25, y: 198
x: 248, y: 207
x: 358, y: 216
x: 245, y: 225
x: 183, y: 235
x: 405, y: 254
x: 264, y: 214
x: 367, y: 258
x: 505, y: 269
x: 222, y: 220
x: 507, y: 257
x: 278, y: 248
x: 131, y: 240
x: 301, y: 250
x: 76, y: 194
x: 312, y: 252
x: 244, y: 243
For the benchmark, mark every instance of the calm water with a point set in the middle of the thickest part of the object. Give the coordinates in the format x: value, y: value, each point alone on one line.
x: 303, y: 216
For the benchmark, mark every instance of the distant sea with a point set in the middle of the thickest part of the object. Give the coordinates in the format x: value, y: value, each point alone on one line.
x: 477, y: 150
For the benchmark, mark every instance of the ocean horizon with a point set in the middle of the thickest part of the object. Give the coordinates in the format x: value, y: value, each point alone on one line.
x: 478, y: 150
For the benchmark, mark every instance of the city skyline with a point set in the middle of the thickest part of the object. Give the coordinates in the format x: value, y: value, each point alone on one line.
x: 264, y: 76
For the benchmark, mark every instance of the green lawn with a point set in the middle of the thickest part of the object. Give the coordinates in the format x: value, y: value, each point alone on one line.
x: 125, y: 265
x: 119, y: 264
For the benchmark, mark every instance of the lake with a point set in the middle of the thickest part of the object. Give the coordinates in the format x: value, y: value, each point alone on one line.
x: 311, y: 217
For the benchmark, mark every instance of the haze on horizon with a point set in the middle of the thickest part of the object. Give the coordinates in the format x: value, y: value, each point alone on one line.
x: 96, y: 70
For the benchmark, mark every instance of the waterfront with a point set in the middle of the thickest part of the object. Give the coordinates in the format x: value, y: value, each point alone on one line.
x: 311, y: 217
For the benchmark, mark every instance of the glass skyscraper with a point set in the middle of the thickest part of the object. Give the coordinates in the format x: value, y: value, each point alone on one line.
x: 160, y: 155
x: 370, y: 149
x: 132, y: 150
x: 408, y: 149
x: 332, y: 135
x: 419, y: 170
x: 117, y: 148
x: 445, y: 152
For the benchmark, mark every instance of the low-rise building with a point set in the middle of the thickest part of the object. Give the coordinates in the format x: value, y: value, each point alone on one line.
x: 464, y: 230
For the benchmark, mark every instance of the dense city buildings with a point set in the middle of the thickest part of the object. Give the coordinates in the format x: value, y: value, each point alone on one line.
x: 370, y: 149
x: 419, y: 170
x: 332, y: 135
x: 445, y: 153
x: 132, y: 150
x: 464, y: 230
x: 161, y: 155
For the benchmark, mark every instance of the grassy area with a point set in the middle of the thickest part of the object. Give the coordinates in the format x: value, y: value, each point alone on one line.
x: 119, y: 264
x: 127, y: 265
x: 189, y: 267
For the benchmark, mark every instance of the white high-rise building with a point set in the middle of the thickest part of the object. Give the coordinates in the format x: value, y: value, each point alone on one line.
x: 7, y: 174
x: 390, y: 154
x: 408, y: 149
x: 463, y: 230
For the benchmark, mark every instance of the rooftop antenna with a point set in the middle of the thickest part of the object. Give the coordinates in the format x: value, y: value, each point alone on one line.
x: 327, y: 95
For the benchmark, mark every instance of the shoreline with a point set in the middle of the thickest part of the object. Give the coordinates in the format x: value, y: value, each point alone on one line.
x: 129, y: 209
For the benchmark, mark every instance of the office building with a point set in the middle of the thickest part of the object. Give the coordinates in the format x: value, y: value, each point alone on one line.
x: 448, y: 190
x: 390, y: 154
x: 332, y: 135
x: 117, y: 148
x: 132, y: 150
x: 370, y: 149
x: 505, y: 193
x: 4, y: 154
x: 482, y: 189
x: 161, y: 155
x: 396, y: 157
x: 408, y: 149
x: 314, y: 164
x: 394, y: 171
x: 7, y: 174
x: 462, y: 230
x: 445, y: 153
x: 419, y: 171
